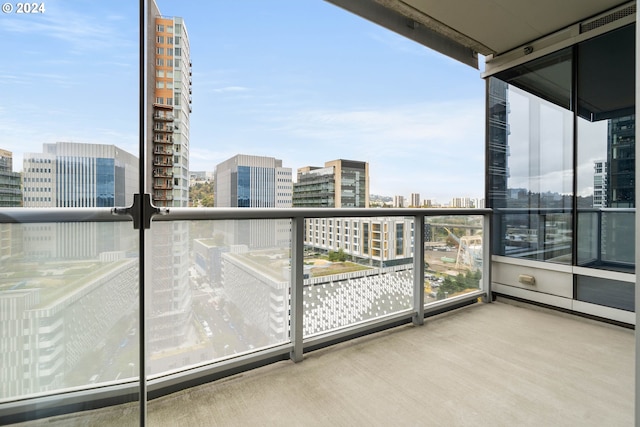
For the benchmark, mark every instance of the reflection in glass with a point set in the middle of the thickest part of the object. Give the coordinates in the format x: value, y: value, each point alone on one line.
x: 606, y: 151
x: 607, y: 292
x: 531, y: 159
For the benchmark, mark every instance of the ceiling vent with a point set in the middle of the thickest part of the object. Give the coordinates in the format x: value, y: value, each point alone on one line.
x: 608, y: 18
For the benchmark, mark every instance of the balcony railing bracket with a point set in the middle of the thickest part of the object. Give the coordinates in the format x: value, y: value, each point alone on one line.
x: 142, y: 209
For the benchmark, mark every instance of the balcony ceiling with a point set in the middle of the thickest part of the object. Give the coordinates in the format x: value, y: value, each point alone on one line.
x: 460, y: 28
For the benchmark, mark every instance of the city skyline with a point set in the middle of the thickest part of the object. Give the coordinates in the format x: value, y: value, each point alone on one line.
x: 259, y: 88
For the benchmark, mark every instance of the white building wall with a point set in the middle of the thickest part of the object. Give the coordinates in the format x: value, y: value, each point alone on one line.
x: 333, y: 234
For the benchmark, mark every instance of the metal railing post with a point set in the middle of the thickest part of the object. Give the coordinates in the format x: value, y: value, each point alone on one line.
x: 486, y: 256
x: 599, y: 218
x: 418, y: 269
x: 297, y: 282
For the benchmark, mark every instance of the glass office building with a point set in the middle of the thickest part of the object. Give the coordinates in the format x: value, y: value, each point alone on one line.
x: 71, y: 174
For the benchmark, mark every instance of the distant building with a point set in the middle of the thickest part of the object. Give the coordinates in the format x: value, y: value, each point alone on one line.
x: 245, y: 181
x: 398, y: 201
x: 254, y: 182
x: 59, y: 325
x: 415, y: 200
x: 200, y: 177
x: 461, y: 202
x: 621, y: 151
x: 10, y: 194
x: 600, y: 172
x: 71, y: 174
x: 384, y: 241
x: 339, y: 184
x: 169, y: 90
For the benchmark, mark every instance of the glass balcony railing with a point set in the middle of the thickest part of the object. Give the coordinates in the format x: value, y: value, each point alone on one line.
x: 223, y: 290
x: 603, y: 240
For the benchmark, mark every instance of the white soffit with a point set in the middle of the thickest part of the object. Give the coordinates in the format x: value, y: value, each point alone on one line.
x: 462, y: 29
x: 503, y: 25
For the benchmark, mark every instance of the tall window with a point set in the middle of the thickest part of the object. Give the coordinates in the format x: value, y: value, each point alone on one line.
x: 531, y: 157
x: 561, y: 162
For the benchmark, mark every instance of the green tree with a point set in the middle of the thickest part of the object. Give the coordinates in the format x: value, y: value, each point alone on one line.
x: 201, y: 194
x: 338, y: 256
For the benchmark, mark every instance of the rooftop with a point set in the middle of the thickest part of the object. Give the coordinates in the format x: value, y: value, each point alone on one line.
x: 499, y: 364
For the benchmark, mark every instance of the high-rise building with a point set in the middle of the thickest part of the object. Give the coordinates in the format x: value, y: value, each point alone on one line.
x: 167, y: 160
x: 339, y: 184
x: 72, y: 174
x: 169, y: 92
x: 77, y: 175
x: 461, y: 202
x: 398, y: 201
x: 246, y: 181
x: 621, y: 152
x: 415, y: 200
x: 600, y: 184
x: 10, y: 194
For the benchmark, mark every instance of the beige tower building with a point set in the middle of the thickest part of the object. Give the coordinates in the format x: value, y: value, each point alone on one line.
x: 169, y: 92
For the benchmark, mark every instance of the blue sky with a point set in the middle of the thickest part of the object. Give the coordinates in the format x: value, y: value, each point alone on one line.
x: 299, y: 80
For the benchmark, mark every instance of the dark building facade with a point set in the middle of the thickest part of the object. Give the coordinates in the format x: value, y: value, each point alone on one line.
x: 621, y: 160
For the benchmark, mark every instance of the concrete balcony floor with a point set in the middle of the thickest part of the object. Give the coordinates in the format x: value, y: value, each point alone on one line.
x: 499, y: 364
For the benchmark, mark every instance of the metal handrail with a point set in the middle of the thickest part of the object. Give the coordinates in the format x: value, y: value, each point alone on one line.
x: 298, y: 343
x: 177, y: 214
x: 46, y: 215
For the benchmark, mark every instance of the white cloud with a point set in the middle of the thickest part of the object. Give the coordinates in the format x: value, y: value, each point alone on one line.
x: 82, y: 32
x: 231, y: 89
x: 428, y: 148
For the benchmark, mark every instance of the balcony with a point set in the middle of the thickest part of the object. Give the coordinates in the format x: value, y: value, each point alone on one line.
x: 162, y: 173
x: 163, y: 128
x: 163, y: 152
x: 162, y: 197
x: 163, y: 106
x: 163, y: 162
x: 520, y: 359
x: 163, y: 139
x: 499, y: 364
x: 164, y: 186
x: 163, y: 116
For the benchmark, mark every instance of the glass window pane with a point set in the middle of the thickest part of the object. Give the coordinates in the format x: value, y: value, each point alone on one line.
x: 217, y: 289
x: 356, y: 269
x: 453, y: 256
x: 69, y: 291
x: 531, y: 159
x: 606, y: 151
x: 69, y: 304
